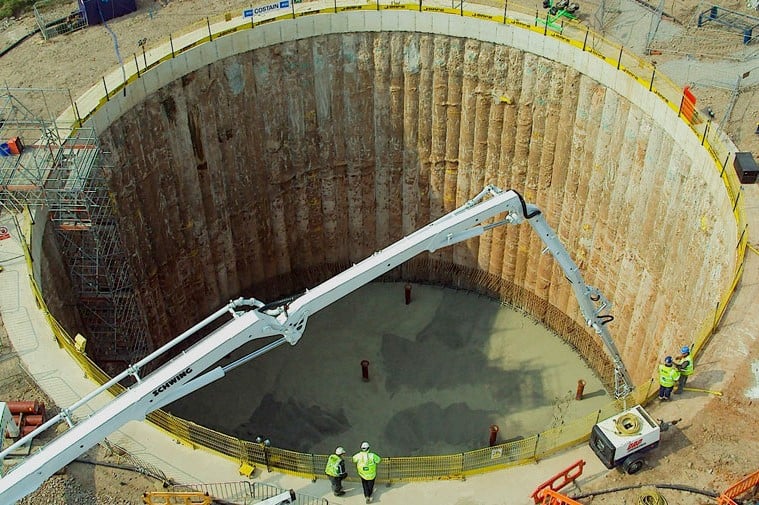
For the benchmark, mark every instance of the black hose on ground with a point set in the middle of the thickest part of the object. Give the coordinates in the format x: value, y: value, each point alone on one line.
x: 676, y: 487
x: 129, y: 468
x: 18, y: 42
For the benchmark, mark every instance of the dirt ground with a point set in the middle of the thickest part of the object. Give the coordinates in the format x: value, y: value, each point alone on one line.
x: 715, y: 443
x: 102, y: 476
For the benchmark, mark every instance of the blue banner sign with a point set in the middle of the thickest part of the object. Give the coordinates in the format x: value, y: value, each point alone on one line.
x: 263, y: 9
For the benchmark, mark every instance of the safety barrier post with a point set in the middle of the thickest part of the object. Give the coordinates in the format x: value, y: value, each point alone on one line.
x: 653, y: 75
x: 107, y: 99
x: 724, y: 165
x: 619, y: 58
x: 505, y: 9
x: 585, y: 41
x: 740, y: 239
x: 210, y: 35
x: 136, y: 65
x: 171, y: 42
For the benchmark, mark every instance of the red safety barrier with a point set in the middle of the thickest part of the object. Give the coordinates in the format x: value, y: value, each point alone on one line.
x: 568, y: 476
x: 553, y: 498
x: 737, y: 489
x: 688, y: 104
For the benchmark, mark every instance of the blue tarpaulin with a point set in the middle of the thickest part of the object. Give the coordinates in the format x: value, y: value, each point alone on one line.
x: 97, y: 11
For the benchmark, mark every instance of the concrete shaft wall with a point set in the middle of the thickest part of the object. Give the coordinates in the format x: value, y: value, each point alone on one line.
x: 304, y: 153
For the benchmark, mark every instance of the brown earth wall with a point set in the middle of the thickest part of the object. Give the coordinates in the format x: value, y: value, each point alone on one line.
x: 265, y: 172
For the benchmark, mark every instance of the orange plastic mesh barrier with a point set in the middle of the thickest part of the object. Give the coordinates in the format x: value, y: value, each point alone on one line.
x: 569, y: 475
x: 740, y: 487
x: 688, y: 104
x: 176, y: 498
x: 553, y: 498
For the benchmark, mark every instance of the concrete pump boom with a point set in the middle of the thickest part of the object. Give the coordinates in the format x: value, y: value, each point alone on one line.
x: 251, y: 319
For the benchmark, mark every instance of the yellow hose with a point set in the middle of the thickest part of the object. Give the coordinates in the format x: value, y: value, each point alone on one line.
x: 628, y: 424
x: 651, y: 498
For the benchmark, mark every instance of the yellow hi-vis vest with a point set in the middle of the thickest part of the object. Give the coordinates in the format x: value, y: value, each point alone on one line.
x: 366, y: 464
x: 688, y: 370
x: 333, y: 466
x: 668, y: 375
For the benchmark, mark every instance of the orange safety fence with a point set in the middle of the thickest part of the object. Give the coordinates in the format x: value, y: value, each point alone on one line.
x: 176, y: 498
x: 550, y: 497
x: 737, y: 489
x: 569, y: 475
x: 688, y: 104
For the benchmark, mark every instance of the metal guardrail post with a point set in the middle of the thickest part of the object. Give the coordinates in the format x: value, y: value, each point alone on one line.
x: 743, y: 234
x: 107, y: 98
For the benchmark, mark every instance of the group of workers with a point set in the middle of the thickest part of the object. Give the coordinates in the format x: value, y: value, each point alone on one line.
x: 675, y: 371
x: 366, y: 466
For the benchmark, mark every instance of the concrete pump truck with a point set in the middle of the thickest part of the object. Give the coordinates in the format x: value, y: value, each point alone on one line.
x: 243, y: 320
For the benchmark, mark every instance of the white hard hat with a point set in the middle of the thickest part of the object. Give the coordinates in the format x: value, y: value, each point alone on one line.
x: 339, y: 451
x: 364, y: 446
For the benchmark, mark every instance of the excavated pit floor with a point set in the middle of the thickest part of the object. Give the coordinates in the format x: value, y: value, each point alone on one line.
x: 442, y: 370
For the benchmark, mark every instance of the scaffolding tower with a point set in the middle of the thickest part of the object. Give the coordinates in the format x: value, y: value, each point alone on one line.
x: 64, y: 170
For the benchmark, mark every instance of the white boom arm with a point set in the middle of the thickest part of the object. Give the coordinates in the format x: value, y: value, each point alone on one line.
x: 252, y: 319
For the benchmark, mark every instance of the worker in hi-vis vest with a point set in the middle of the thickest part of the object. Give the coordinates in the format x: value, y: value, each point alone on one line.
x: 684, y: 364
x: 366, y: 465
x: 668, y: 376
x: 335, y: 470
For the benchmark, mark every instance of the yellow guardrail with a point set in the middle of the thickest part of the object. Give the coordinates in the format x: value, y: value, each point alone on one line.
x: 471, y: 462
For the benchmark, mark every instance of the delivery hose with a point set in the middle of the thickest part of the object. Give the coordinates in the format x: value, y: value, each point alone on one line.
x: 676, y: 487
x: 628, y: 424
x: 128, y: 468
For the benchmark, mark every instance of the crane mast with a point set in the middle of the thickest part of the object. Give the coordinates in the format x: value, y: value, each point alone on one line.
x: 248, y: 319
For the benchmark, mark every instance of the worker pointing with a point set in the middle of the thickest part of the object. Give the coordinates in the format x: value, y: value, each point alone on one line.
x: 668, y: 376
x: 684, y: 364
x: 366, y: 465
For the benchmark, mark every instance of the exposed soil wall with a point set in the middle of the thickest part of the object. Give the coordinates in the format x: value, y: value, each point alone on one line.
x: 309, y: 155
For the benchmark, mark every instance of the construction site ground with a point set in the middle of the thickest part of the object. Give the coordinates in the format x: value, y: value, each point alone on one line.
x: 712, y: 446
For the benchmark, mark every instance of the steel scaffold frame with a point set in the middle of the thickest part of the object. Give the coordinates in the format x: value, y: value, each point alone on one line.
x: 64, y: 170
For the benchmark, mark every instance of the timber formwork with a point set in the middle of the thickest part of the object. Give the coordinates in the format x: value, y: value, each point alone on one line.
x: 64, y: 170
